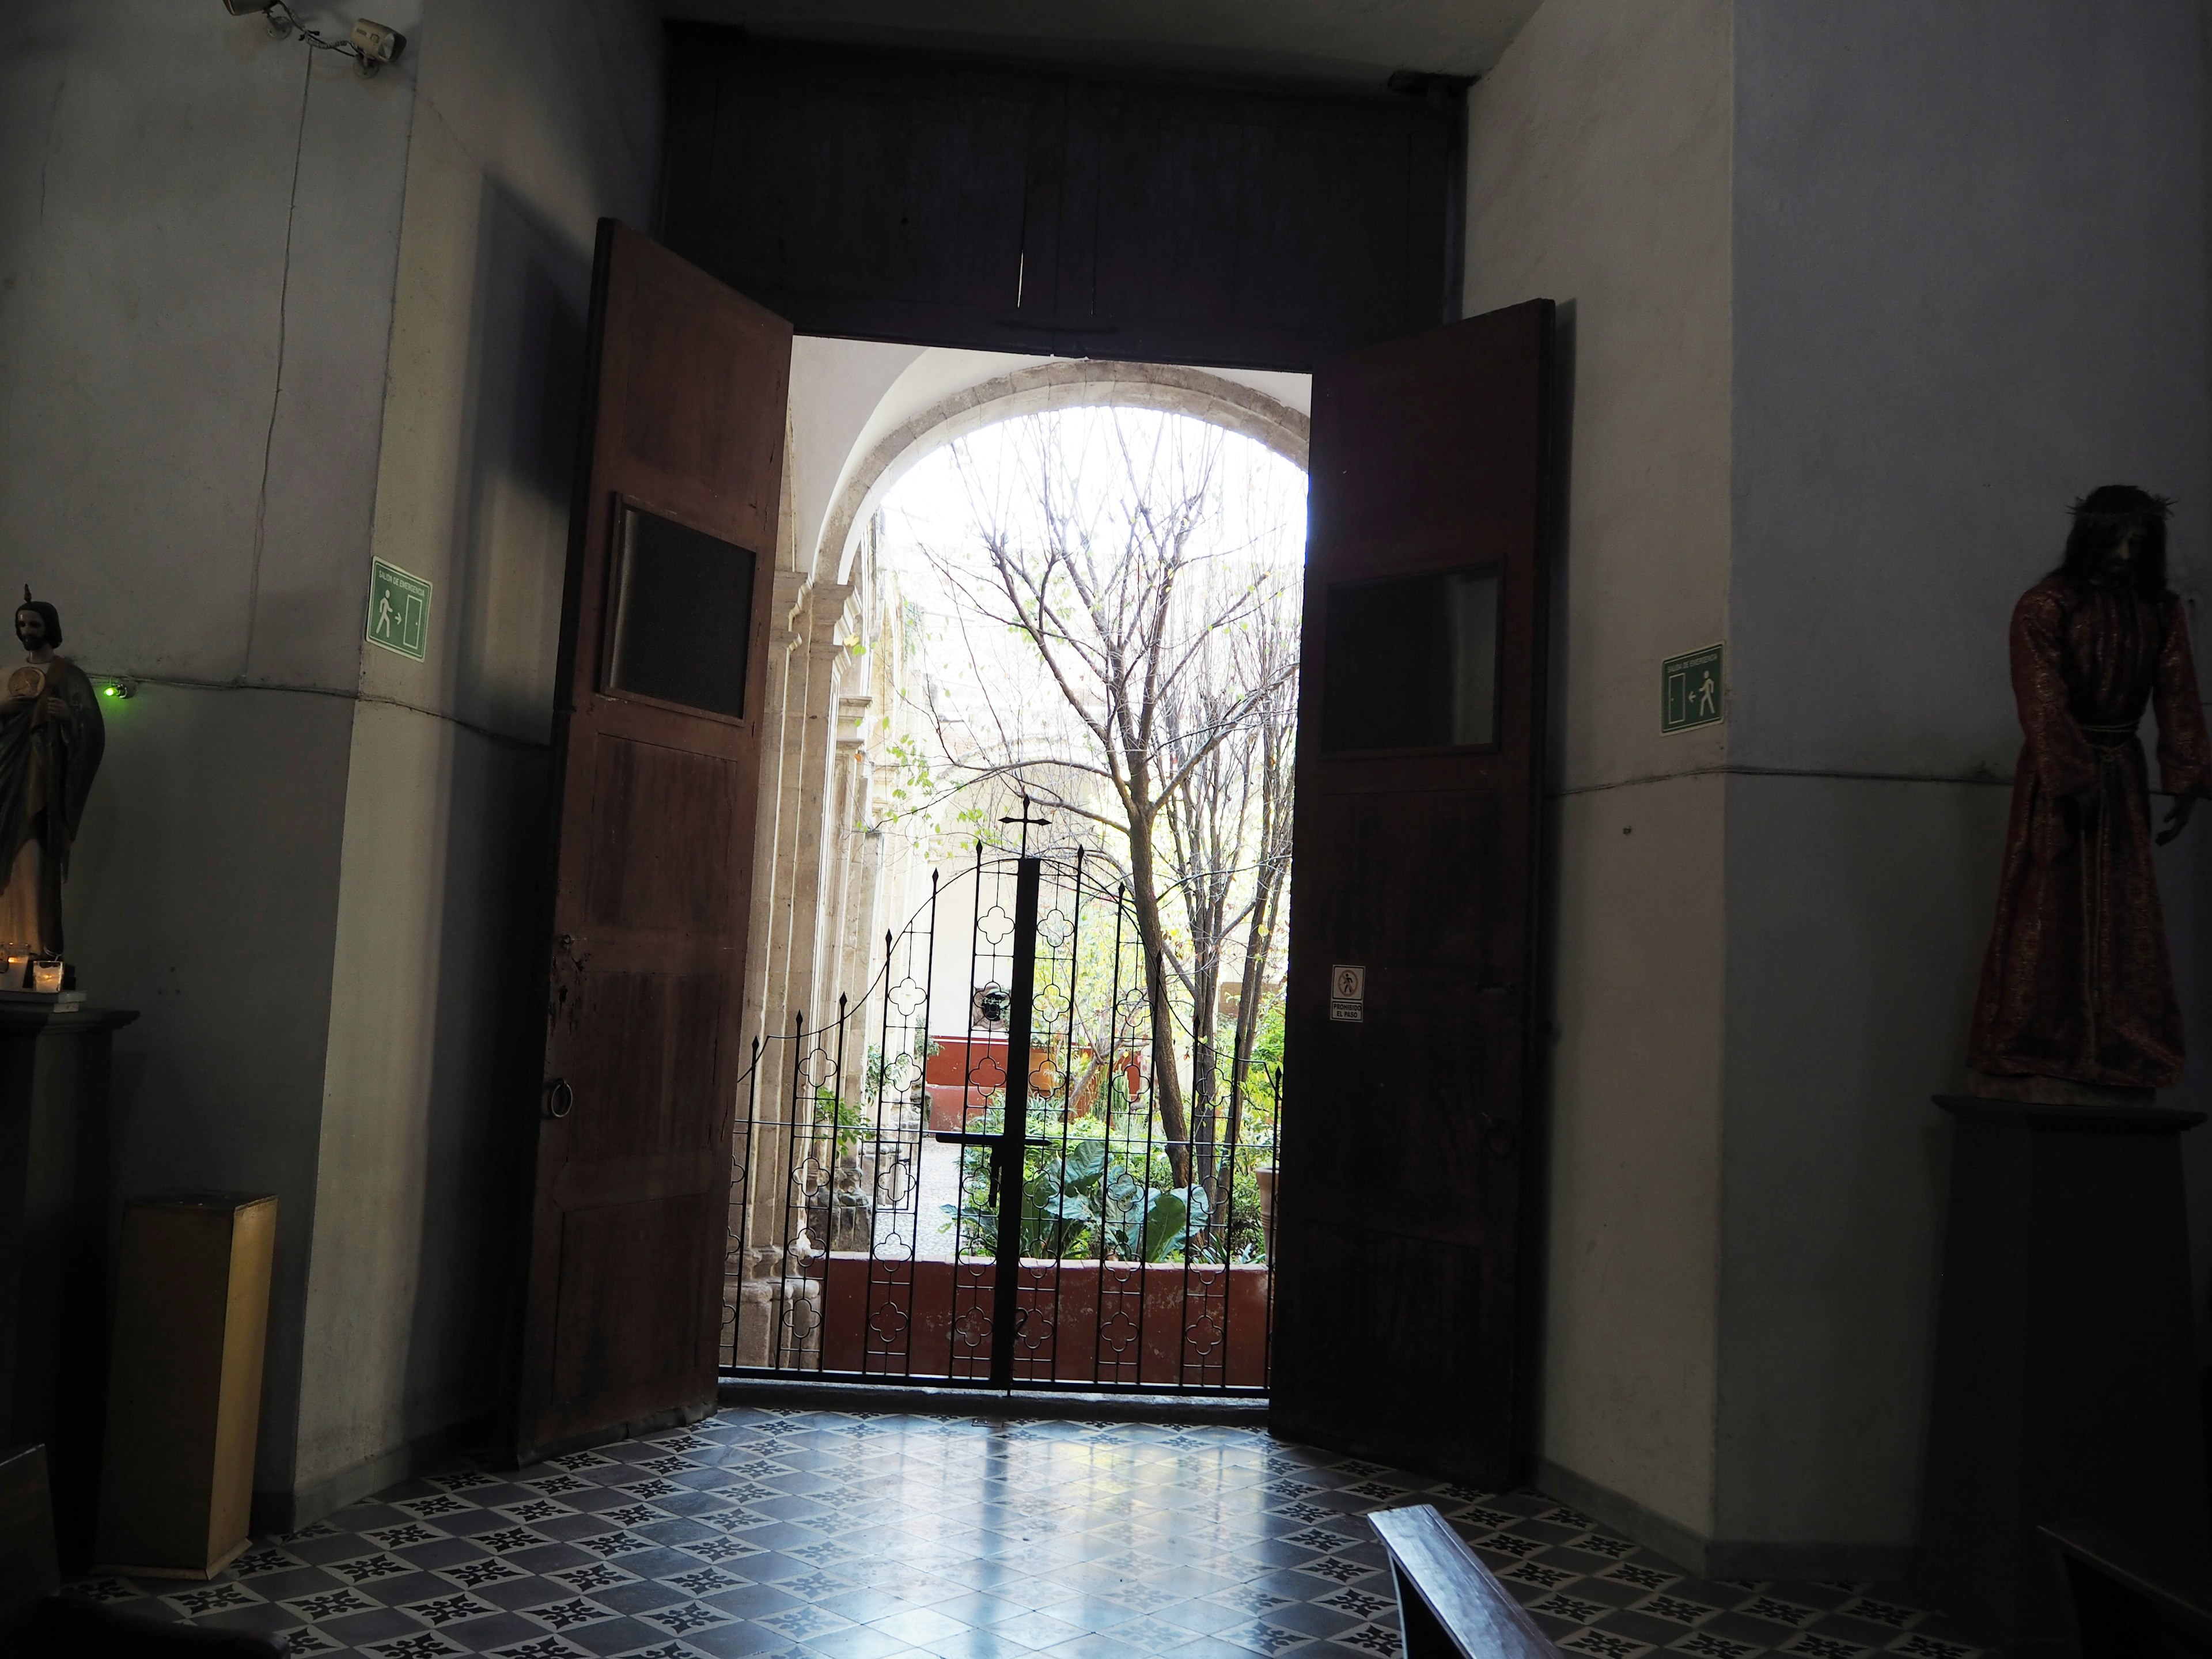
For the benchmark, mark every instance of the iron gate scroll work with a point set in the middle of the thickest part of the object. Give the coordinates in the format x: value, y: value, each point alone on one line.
x: 898, y: 1213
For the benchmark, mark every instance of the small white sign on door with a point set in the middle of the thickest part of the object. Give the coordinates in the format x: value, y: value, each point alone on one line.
x: 1347, y: 992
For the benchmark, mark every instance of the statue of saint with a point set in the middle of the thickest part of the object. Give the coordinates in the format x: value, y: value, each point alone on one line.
x: 51, y: 739
x: 2077, y: 1002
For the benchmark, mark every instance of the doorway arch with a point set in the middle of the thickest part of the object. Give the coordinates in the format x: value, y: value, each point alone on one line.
x: 1059, y: 383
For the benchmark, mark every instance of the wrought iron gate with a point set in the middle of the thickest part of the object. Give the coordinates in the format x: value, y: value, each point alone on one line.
x: 898, y: 1211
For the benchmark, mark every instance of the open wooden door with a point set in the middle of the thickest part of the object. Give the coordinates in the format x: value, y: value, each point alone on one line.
x: 656, y: 748
x: 1400, y: 1328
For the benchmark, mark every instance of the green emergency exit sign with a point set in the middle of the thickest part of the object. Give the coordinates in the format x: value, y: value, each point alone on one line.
x: 399, y: 611
x: 1693, y: 690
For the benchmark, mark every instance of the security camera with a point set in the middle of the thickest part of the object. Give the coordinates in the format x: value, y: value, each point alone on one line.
x: 278, y: 14
x: 377, y: 44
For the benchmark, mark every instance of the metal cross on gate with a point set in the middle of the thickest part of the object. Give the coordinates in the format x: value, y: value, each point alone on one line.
x: 1025, y: 821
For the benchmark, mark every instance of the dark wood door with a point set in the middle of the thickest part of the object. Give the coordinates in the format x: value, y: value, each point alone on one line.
x: 656, y: 759
x: 1406, y: 1127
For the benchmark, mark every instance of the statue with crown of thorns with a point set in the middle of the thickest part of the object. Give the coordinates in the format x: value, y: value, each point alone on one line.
x: 2077, y: 1003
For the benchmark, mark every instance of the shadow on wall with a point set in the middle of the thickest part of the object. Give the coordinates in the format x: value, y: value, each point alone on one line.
x: 1875, y: 896
x: 523, y: 403
x: 481, y: 1078
x: 1551, y: 830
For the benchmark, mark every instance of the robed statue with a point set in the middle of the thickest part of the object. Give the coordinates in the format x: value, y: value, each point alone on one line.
x: 2077, y: 1002
x: 51, y: 739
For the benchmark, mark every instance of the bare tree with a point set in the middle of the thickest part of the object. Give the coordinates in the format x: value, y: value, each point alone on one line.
x: 1121, y: 590
x: 1223, y: 824
x: 1229, y: 842
x: 1276, y: 649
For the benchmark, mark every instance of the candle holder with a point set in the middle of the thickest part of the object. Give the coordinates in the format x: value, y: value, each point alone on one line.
x: 17, y: 974
x: 46, y: 976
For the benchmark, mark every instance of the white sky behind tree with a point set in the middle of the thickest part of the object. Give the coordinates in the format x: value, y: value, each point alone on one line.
x: 990, y: 676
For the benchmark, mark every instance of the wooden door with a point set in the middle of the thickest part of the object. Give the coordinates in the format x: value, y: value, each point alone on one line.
x: 1406, y: 1127
x: 656, y: 749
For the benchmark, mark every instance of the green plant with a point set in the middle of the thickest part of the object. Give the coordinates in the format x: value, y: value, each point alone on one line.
x: 1083, y: 1198
x: 850, y: 1123
x: 882, y: 1076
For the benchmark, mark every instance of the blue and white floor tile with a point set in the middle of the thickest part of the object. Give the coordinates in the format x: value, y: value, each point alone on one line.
x: 846, y: 1535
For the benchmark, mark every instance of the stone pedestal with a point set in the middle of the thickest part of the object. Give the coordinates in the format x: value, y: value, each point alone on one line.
x: 778, y: 1313
x: 2065, y: 1386
x: 54, y: 1212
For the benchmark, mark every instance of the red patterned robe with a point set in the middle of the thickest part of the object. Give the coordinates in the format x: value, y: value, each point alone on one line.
x: 2077, y: 984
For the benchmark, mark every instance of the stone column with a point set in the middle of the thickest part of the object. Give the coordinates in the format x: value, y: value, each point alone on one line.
x: 771, y: 893
x: 810, y: 815
x: 761, y: 1148
x: 777, y: 1210
x: 851, y: 831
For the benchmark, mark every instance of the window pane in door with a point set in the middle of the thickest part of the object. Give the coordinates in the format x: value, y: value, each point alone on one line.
x: 683, y: 615
x: 1411, y: 663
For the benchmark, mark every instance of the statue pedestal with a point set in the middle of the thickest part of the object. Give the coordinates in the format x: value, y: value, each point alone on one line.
x: 54, y: 1220
x: 2065, y: 1386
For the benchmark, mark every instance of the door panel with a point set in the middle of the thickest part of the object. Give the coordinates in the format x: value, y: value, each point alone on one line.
x: 642, y: 879
x: 1401, y: 1283
x: 652, y: 848
x: 1400, y: 1210
x: 608, y: 1353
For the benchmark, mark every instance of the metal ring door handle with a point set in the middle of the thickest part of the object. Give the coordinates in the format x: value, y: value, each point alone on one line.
x: 560, y: 1098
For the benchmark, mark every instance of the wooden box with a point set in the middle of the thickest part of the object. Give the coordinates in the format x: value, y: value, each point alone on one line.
x: 184, y: 1403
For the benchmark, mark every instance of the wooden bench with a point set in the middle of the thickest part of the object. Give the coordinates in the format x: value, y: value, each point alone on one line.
x: 2127, y: 1606
x: 1450, y: 1605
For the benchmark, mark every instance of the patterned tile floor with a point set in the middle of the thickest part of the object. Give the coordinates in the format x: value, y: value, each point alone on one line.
x: 833, y: 1535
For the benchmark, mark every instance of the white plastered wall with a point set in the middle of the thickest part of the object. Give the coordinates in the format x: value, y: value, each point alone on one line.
x: 1598, y: 170
x: 198, y: 230
x: 1853, y: 300
x: 532, y: 121
x: 261, y: 318
x: 1969, y: 285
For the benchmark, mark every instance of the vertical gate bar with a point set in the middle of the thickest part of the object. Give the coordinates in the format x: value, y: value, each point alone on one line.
x: 875, y: 1174
x: 1106, y: 1092
x: 791, y: 1177
x: 745, y: 1214
x: 1270, y: 1230
x: 1144, y: 1211
x: 1013, y: 1140
x: 1190, y: 1178
x: 967, y: 1083
x: 1067, y: 1102
x: 1228, y: 1248
x: 914, y: 1251
x: 829, y: 1187
x: 1229, y: 1186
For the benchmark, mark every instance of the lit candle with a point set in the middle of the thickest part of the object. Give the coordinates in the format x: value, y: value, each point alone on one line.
x: 46, y: 976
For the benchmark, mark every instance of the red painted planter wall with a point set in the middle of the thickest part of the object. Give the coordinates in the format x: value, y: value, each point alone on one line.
x: 1196, y: 1326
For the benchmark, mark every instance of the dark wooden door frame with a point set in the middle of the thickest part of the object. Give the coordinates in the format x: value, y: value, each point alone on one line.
x: 997, y: 204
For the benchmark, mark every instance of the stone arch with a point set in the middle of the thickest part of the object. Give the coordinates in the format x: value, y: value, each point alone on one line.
x: 1060, y: 384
